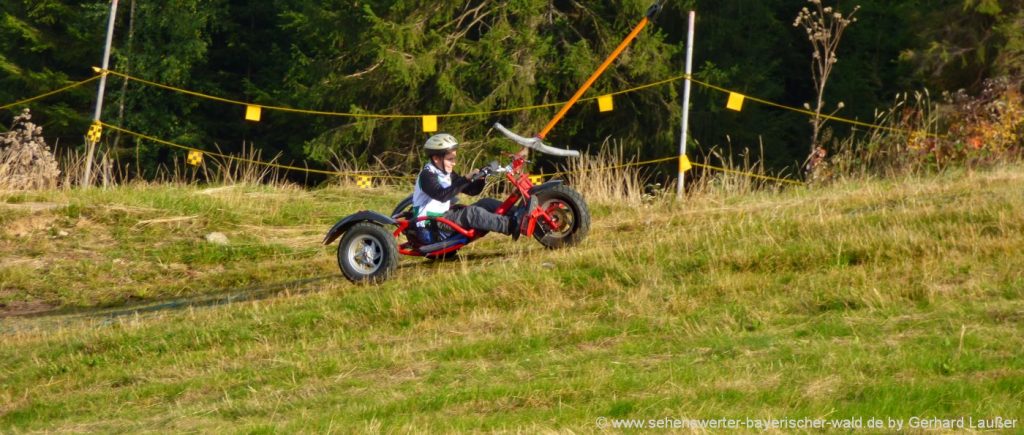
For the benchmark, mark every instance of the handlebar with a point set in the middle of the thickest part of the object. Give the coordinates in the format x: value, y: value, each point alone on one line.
x: 535, y: 143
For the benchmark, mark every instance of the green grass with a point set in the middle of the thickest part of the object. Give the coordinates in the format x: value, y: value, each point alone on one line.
x: 105, y: 247
x: 894, y: 298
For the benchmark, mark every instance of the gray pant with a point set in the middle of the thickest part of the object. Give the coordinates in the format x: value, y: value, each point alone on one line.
x: 481, y: 216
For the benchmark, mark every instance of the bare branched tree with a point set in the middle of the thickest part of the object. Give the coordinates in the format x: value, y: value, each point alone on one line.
x: 825, y: 26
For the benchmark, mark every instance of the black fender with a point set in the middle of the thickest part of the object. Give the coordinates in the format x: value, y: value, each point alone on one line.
x: 544, y: 186
x: 364, y: 216
x: 402, y: 205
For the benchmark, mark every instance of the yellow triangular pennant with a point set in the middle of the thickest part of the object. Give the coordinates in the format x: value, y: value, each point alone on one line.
x: 429, y: 123
x: 684, y: 164
x: 605, y: 104
x: 252, y: 113
x: 735, y: 101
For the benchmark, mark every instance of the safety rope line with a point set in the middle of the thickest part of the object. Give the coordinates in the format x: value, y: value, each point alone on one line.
x: 666, y: 159
x: 808, y: 112
x: 513, y: 109
x: 243, y: 159
x: 748, y: 174
x: 53, y: 92
x: 608, y: 168
x: 375, y: 115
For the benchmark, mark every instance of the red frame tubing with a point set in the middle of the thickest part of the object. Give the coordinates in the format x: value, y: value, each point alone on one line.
x: 403, y: 224
x: 409, y: 252
x: 522, y: 184
x: 403, y: 248
x: 507, y: 205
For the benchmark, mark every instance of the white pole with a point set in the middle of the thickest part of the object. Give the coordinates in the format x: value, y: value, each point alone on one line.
x: 686, y: 103
x: 103, y: 87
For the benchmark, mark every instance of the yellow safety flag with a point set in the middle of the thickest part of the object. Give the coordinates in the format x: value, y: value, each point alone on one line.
x: 536, y: 179
x: 195, y: 158
x: 604, y: 103
x: 429, y: 123
x: 95, y: 132
x: 735, y: 102
x: 364, y: 181
x: 252, y: 113
x: 684, y: 163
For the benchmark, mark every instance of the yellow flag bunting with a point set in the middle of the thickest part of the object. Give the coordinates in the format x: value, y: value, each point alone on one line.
x: 605, y: 104
x: 429, y: 123
x: 364, y: 181
x: 684, y: 164
x: 195, y: 158
x: 252, y: 113
x: 735, y: 101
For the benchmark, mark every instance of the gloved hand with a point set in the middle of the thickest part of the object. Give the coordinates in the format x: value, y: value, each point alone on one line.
x: 479, y: 174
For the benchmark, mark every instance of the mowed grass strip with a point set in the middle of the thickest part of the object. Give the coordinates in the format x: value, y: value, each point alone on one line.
x: 894, y: 298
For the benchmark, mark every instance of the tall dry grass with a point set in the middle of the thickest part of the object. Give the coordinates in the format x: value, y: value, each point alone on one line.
x: 910, y: 128
x: 245, y: 168
x: 725, y: 173
x: 608, y: 176
x: 349, y: 169
x: 611, y: 175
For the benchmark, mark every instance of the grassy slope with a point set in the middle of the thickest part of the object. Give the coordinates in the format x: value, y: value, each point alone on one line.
x: 871, y: 299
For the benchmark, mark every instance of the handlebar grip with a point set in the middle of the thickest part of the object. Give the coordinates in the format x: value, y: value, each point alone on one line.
x: 535, y: 143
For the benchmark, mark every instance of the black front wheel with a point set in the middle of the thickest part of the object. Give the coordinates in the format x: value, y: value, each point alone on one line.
x: 367, y: 253
x: 570, y: 215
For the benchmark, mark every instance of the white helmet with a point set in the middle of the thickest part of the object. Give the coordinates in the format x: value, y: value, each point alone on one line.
x: 440, y: 143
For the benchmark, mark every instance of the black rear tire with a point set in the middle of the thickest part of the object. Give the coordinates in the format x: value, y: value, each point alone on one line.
x: 570, y: 212
x: 367, y: 253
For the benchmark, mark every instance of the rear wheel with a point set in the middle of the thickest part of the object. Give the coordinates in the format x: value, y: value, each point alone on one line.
x: 570, y: 215
x: 367, y: 253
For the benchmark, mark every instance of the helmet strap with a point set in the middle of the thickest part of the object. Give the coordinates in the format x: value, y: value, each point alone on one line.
x: 434, y: 162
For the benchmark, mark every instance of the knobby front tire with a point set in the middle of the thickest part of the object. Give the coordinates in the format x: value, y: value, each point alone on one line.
x: 570, y: 213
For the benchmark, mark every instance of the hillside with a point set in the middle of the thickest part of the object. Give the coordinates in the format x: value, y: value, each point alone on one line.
x: 886, y: 299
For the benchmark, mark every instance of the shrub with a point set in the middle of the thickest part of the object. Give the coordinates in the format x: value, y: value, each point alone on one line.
x: 25, y: 159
